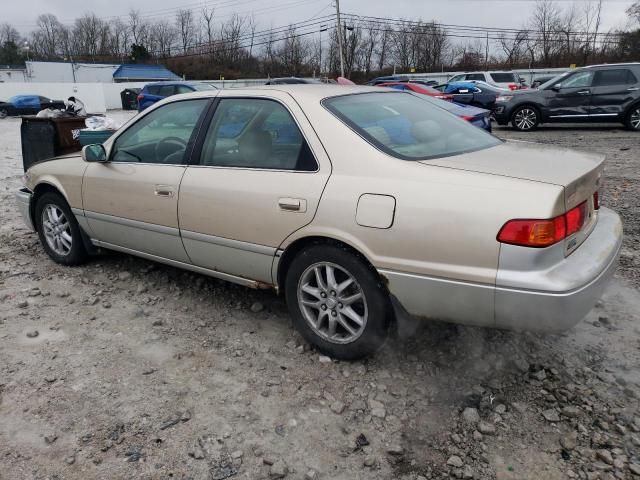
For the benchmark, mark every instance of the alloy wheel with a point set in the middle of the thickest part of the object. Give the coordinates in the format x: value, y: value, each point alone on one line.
x: 332, y: 302
x: 526, y: 119
x: 635, y: 119
x: 57, y: 230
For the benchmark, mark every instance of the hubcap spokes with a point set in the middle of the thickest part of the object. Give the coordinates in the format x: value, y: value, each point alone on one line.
x: 332, y: 302
x: 57, y: 230
x: 525, y: 119
x: 635, y: 119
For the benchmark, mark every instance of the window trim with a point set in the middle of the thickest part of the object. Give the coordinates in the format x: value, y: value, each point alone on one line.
x: 381, y: 147
x: 196, y: 153
x: 190, y: 143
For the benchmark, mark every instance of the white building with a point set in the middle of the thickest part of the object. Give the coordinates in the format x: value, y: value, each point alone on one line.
x: 12, y: 74
x: 68, y: 72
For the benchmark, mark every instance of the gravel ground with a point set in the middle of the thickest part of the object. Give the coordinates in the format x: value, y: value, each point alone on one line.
x: 128, y: 369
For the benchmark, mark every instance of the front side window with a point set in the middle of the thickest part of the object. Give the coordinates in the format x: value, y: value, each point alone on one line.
x: 577, y: 80
x: 457, y: 78
x: 161, y: 136
x: 255, y: 133
x: 618, y: 76
x: 166, y: 90
x: 408, y: 126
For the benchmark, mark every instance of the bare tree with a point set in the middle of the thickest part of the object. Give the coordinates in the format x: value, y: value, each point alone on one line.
x: 139, y: 28
x: 119, y: 44
x: 46, y: 37
x: 163, y: 35
x: 545, y: 25
x: 207, y: 17
x: 513, y: 46
x: 634, y: 11
x: 185, y: 27
x: 90, y: 36
x: 8, y: 34
x: 591, y: 18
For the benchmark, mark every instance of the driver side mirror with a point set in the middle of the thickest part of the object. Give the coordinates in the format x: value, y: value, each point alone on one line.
x: 94, y: 153
x: 556, y: 88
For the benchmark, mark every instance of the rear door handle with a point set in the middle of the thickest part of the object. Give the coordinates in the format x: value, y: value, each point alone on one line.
x: 633, y: 89
x: 293, y: 204
x: 163, y: 190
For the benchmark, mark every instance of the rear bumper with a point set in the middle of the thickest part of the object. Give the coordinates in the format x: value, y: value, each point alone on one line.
x: 555, y: 297
x: 534, y: 290
x: 23, y: 199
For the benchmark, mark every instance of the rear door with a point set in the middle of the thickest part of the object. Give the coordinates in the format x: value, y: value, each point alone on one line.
x: 570, y: 97
x: 259, y: 176
x: 612, y: 92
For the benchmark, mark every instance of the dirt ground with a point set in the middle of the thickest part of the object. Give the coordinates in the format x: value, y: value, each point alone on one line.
x: 138, y: 370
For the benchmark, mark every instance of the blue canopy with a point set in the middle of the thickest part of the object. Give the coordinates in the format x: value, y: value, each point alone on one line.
x: 25, y: 101
x: 138, y: 72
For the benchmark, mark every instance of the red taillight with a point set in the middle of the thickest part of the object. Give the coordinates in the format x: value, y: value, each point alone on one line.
x: 140, y: 97
x: 513, y: 86
x: 543, y: 233
x: 448, y: 98
x: 596, y: 200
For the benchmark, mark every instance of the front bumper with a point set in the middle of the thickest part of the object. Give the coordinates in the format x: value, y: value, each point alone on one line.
x: 23, y: 199
x: 501, y: 114
x: 535, y: 289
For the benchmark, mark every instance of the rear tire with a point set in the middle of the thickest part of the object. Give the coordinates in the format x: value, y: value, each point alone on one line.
x: 632, y: 119
x: 58, y: 230
x: 525, y: 118
x: 337, y: 302
x: 4, y: 113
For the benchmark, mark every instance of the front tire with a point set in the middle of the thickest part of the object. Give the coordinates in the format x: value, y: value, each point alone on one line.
x: 525, y: 118
x: 337, y: 302
x: 632, y: 119
x: 58, y: 230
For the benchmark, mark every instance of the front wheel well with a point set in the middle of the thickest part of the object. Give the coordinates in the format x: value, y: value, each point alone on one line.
x: 38, y: 191
x: 292, y: 250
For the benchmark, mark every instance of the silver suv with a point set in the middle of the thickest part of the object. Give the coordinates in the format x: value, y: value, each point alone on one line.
x: 508, y: 80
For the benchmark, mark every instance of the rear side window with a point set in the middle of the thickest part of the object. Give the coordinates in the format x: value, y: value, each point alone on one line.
x: 504, y: 77
x: 255, y: 133
x: 618, y: 76
x: 475, y: 76
x: 408, y: 126
x: 153, y: 89
x: 166, y: 90
x: 183, y: 89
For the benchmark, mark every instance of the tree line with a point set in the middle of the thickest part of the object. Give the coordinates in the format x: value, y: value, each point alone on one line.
x: 199, y: 44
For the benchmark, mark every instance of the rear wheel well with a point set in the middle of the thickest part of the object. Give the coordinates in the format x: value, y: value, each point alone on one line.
x: 292, y: 250
x: 38, y: 191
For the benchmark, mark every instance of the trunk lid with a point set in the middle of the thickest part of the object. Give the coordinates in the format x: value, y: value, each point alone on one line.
x: 578, y: 172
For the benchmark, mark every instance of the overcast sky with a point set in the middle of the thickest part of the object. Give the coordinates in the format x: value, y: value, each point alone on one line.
x: 486, y: 13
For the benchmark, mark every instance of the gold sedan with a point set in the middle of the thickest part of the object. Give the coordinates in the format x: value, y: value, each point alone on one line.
x: 365, y: 207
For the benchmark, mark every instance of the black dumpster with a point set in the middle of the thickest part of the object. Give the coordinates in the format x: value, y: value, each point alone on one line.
x: 129, y: 98
x: 44, y: 138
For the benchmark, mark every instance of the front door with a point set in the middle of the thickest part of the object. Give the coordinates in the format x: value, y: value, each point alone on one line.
x: 570, y: 98
x: 259, y: 178
x: 131, y: 201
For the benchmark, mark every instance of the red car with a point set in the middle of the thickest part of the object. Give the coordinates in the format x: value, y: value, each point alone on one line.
x: 418, y: 88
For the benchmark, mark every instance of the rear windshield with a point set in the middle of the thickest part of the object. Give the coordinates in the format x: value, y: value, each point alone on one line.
x: 408, y: 126
x: 504, y: 77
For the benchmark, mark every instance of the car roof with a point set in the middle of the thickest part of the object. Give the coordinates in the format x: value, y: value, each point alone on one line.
x: 302, y: 92
x: 174, y: 82
x: 609, y: 65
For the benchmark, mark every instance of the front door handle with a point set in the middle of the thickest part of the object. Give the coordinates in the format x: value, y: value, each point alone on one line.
x: 163, y: 190
x: 584, y: 92
x: 293, y: 204
x: 633, y: 89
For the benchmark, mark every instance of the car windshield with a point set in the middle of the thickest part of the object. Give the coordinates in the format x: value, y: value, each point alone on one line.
x: 408, y: 126
x: 203, y: 86
x: 504, y: 77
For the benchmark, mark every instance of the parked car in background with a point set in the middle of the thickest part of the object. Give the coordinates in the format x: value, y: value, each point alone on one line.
x: 478, y: 94
x: 402, y: 78
x: 376, y: 207
x: 478, y: 117
x: 28, y: 105
x: 507, y: 80
x: 599, y: 93
x: 154, y: 92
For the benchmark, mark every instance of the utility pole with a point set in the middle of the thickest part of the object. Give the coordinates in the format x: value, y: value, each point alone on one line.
x: 486, y: 53
x: 323, y: 28
x: 340, y: 38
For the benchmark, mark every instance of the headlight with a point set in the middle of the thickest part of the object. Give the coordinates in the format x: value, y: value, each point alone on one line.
x: 503, y: 98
